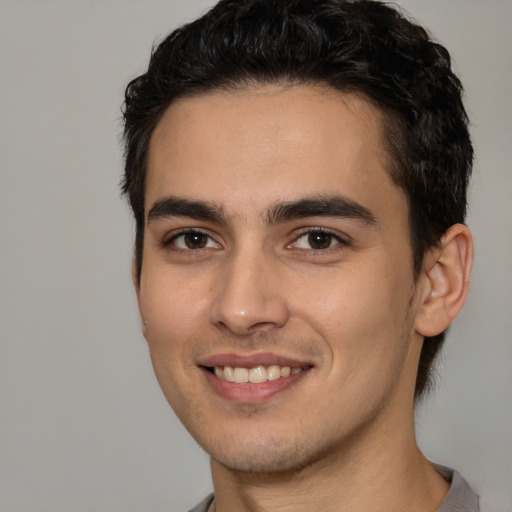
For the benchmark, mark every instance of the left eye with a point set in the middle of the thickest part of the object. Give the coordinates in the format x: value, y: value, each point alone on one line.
x: 193, y: 240
x: 317, y: 240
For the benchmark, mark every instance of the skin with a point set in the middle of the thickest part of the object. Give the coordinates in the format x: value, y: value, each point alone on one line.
x: 253, y: 286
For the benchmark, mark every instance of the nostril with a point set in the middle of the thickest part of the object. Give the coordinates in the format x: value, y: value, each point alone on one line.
x: 261, y: 326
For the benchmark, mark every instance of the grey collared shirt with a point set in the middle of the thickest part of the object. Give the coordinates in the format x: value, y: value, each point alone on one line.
x: 460, y: 497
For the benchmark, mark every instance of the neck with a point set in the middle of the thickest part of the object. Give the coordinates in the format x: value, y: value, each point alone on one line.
x: 408, y: 484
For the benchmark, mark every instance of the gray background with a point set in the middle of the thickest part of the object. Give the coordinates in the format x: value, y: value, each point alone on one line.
x: 84, y: 426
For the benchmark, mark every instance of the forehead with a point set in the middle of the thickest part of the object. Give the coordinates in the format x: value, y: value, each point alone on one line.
x: 248, y: 148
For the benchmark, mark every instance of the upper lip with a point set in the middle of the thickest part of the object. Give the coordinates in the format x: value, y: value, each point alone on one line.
x: 252, y: 360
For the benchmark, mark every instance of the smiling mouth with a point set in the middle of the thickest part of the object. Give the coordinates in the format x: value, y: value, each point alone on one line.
x: 254, y: 375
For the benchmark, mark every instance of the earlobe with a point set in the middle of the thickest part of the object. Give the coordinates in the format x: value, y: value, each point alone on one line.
x: 446, y: 279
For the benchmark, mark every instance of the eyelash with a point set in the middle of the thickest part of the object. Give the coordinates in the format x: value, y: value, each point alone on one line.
x: 168, y: 242
x: 339, y: 240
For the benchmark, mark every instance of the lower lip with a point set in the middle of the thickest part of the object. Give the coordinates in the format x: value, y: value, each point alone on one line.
x: 248, y: 393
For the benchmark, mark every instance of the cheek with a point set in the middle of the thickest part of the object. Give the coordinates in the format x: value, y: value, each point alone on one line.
x: 359, y: 314
x: 174, y: 311
x: 169, y: 298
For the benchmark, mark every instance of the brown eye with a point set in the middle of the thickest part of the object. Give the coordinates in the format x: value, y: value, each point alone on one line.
x: 320, y: 240
x: 193, y: 240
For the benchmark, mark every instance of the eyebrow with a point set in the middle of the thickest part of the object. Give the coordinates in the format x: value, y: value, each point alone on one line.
x: 316, y: 206
x: 180, y: 207
x: 321, y: 206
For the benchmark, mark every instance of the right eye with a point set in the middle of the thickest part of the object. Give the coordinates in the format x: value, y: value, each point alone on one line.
x: 191, y: 240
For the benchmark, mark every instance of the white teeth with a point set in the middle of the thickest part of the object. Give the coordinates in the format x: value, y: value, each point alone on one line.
x: 255, y: 375
x: 274, y: 372
x: 241, y: 375
x: 228, y: 374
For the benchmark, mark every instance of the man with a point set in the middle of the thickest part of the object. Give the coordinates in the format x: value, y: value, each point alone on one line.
x: 298, y: 170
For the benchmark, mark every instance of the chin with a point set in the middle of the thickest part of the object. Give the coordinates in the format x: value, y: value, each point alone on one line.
x: 262, y: 466
x: 264, y: 457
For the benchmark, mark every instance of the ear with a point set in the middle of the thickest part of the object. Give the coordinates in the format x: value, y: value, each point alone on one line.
x: 446, y: 281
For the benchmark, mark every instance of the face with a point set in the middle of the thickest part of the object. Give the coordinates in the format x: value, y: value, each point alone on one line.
x: 277, y: 285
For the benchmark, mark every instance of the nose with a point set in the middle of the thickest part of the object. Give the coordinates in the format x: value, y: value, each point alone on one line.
x: 249, y: 296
